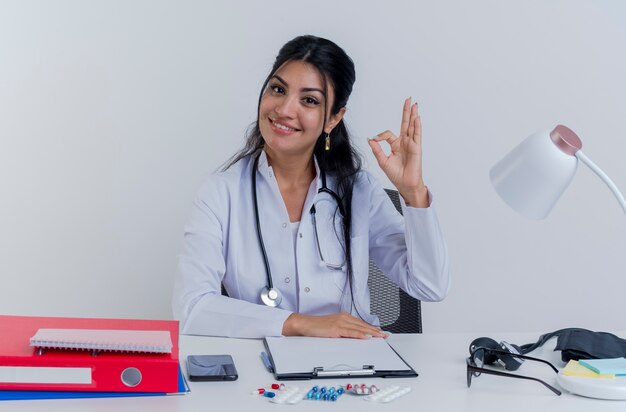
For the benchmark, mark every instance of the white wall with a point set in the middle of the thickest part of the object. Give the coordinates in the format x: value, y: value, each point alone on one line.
x: 112, y: 112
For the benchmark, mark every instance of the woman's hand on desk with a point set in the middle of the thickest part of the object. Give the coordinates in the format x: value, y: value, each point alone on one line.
x: 338, y: 325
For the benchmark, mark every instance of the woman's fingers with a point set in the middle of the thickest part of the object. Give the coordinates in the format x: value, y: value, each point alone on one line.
x: 358, y: 334
x: 379, y: 154
x: 387, y: 136
x: 417, y: 135
x: 403, y: 166
x: 330, y: 326
x: 412, y: 125
x: 406, y: 117
x: 358, y: 328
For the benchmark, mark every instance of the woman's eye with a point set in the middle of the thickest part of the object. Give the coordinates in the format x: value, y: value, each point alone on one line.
x: 311, y: 101
x: 278, y: 89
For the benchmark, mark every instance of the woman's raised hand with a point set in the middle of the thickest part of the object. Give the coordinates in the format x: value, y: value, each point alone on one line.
x: 403, y: 166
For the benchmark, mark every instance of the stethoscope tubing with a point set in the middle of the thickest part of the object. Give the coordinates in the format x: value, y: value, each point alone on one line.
x: 269, y: 291
x: 268, y: 271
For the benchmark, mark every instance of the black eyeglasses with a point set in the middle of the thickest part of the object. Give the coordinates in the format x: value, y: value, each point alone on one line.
x: 474, y: 369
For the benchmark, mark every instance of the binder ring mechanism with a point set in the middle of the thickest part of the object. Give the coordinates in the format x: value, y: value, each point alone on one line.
x: 367, y: 370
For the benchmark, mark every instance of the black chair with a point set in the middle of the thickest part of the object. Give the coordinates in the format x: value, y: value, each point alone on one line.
x: 398, y: 312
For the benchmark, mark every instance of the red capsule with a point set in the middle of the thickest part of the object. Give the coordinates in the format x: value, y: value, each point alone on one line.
x: 275, y: 386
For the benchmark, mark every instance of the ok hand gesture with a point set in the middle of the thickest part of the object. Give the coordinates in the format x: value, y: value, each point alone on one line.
x: 403, y: 166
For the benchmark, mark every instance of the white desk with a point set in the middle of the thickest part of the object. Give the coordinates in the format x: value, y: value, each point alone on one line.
x: 438, y: 358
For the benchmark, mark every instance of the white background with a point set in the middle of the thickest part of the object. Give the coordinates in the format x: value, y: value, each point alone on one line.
x: 113, y: 112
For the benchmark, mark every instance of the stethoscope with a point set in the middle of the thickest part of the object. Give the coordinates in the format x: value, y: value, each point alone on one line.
x: 270, y: 295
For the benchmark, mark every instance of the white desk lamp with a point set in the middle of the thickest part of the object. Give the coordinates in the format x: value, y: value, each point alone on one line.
x: 534, y: 175
x: 530, y: 179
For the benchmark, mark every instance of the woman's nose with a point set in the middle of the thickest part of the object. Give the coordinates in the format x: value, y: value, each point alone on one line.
x: 286, y: 107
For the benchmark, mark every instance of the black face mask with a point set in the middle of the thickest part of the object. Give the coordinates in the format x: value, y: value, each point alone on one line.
x: 575, y: 344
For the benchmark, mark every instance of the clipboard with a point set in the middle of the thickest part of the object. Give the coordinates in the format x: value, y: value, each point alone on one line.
x: 304, y: 358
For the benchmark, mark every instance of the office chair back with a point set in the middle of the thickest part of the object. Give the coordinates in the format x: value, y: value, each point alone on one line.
x: 398, y: 312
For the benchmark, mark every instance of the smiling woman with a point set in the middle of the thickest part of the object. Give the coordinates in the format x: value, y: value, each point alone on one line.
x: 292, y: 201
x: 292, y: 111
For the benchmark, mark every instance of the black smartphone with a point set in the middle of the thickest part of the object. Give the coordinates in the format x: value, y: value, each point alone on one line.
x: 211, y: 368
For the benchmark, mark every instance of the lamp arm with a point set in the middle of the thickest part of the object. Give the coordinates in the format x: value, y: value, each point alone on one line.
x: 620, y: 198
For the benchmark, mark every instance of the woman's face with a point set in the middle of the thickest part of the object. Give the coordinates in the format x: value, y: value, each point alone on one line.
x: 291, y: 113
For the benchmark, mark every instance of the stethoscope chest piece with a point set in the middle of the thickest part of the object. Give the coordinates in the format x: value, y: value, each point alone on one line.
x: 271, y: 297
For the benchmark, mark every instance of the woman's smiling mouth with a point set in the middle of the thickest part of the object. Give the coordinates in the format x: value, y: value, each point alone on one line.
x: 282, y: 127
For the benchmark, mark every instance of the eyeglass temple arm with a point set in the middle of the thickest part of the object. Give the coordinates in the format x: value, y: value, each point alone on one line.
x: 605, y: 178
x: 537, y: 360
x: 512, y: 375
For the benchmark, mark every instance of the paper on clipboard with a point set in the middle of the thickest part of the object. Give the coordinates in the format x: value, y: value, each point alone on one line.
x: 296, y: 355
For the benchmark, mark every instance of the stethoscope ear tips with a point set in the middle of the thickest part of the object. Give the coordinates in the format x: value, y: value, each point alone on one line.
x: 271, y: 297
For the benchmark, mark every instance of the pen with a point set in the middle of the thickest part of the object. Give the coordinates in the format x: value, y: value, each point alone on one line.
x: 266, y: 362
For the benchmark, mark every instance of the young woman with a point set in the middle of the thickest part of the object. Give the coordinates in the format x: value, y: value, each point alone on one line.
x: 289, y: 225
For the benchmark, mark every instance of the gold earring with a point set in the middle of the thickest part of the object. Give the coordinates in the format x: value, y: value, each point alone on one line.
x: 327, y: 145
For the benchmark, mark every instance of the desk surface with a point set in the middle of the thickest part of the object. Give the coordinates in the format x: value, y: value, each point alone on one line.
x: 438, y: 358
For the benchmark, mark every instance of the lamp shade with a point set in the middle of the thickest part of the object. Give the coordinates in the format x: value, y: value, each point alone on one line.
x: 534, y: 175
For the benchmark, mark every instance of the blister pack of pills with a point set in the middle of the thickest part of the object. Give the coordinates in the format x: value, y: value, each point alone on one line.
x: 389, y: 394
x: 289, y: 395
x: 360, y: 389
x: 324, y: 394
